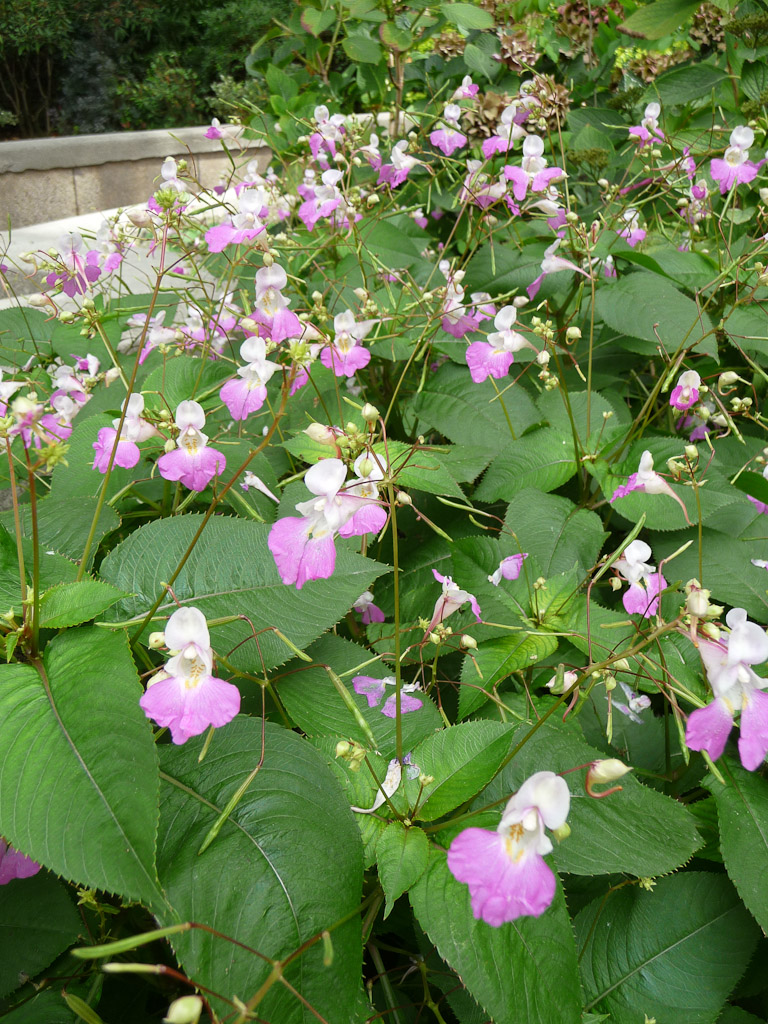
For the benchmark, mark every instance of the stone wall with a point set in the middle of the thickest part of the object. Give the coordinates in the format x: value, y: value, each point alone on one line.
x: 50, y: 179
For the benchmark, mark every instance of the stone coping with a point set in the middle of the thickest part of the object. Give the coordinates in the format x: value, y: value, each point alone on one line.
x: 113, y: 147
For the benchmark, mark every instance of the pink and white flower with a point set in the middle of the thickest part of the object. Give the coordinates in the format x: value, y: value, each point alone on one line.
x: 635, y: 703
x: 14, y: 864
x: 467, y: 90
x: 735, y: 167
x: 248, y: 391
x: 329, y: 131
x: 217, y: 130
x: 728, y: 663
x: 645, y: 584
x: 80, y: 269
x: 509, y: 569
x: 135, y: 429
x: 375, y: 689
x: 367, y: 610
x: 493, y: 357
x: 686, y: 392
x: 505, y: 870
x: 185, y: 696
x: 154, y: 333
x: 449, y: 139
x: 648, y: 131
x: 646, y: 479
x: 395, y: 173
x: 192, y: 463
x: 347, y: 354
x: 479, y: 189
x: 304, y: 548
x: 450, y: 600
x: 370, y: 516
x: 271, y: 310
x: 552, y: 264
x: 509, y: 130
x: 243, y: 226
x: 533, y: 172
x: 632, y: 233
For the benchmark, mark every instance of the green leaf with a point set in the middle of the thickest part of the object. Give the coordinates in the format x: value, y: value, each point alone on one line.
x: 232, y: 572
x: 391, y: 247
x: 77, y: 478
x: 282, y: 85
x: 184, y: 377
x: 394, y: 37
x: 479, y: 61
x: 683, y: 85
x: 315, y: 706
x: 642, y: 950
x: 70, y: 604
x: 554, y: 532
x: 646, y: 306
x: 462, y: 760
x: 528, y: 965
x: 746, y: 330
x: 754, y: 79
x: 53, y: 569
x: 64, y: 524
x: 402, y: 855
x: 467, y: 16
x: 498, y: 659
x: 78, y: 769
x: 362, y: 48
x: 754, y: 484
x: 543, y: 459
x: 658, y: 19
x: 316, y: 22
x: 742, y: 811
x: 286, y: 865
x: 469, y: 413
x: 636, y: 831
x: 37, y: 922
x: 44, y: 1008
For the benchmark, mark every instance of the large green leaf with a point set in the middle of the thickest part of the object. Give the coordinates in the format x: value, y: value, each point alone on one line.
x: 746, y: 329
x: 682, y: 85
x: 401, y: 854
x: 554, y: 531
x: 742, y: 812
x: 659, y: 19
x: 285, y: 866
x: 497, y: 659
x: 467, y: 16
x: 54, y: 569
x: 231, y: 572
x: 469, y: 413
x: 69, y: 604
x: 78, y: 768
x: 646, y: 306
x: 64, y: 523
x: 37, y: 922
x: 522, y: 971
x: 637, y: 831
x: 543, y: 459
x: 461, y: 761
x: 45, y: 1008
x: 673, y: 953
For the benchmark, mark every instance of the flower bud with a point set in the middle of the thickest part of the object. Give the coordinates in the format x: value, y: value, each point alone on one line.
x: 342, y: 748
x: 360, y: 293
x: 710, y: 630
x: 156, y: 641
x: 697, y: 603
x: 169, y: 445
x: 622, y: 665
x: 561, y: 832
x: 542, y: 358
x: 365, y: 468
x: 139, y: 216
x: 572, y: 334
x: 38, y: 300
x: 691, y: 452
x: 321, y: 434
x: 520, y: 300
x: 370, y: 413
x: 267, y: 259
x: 372, y: 200
x: 608, y: 770
x: 185, y: 1010
x: 403, y: 499
x: 569, y: 678
x: 426, y: 780
x: 727, y: 379
x: 468, y: 643
x: 572, y: 217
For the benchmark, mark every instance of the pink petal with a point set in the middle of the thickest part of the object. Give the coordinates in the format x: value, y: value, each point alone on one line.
x: 502, y: 889
x: 189, y: 711
x: 370, y: 688
x: 708, y: 728
x: 519, y: 180
x: 194, y: 471
x: 753, y: 737
x: 220, y: 237
x: 242, y: 400
x: 371, y: 518
x: 485, y: 361
x: 407, y: 703
x: 345, y: 364
x: 14, y: 864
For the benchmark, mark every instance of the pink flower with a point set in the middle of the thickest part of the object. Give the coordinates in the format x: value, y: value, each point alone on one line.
x: 735, y: 167
x: 368, y: 611
x: 645, y: 584
x: 736, y: 687
x: 449, y: 139
x: 648, y: 130
x: 509, y: 569
x: 533, y: 172
x: 631, y: 232
x: 370, y: 516
x: 304, y: 548
x: 347, y: 354
x: 248, y: 391
x: 450, y: 600
x: 493, y: 358
x: 323, y: 201
x: 649, y: 481
x: 635, y: 704
x: 467, y: 90
x: 134, y: 429
x: 372, y: 151
x: 330, y: 130
x: 395, y: 173
x: 505, y: 870
x: 14, y: 864
x: 79, y: 271
x: 185, y: 696
x: 478, y: 189
x: 272, y: 307
x: 374, y: 690
x: 510, y: 129
x: 686, y: 392
x: 193, y: 463
x: 155, y: 334
x: 242, y: 226
x: 552, y: 264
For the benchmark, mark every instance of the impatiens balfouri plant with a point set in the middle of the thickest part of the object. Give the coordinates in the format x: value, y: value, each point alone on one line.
x: 384, y: 576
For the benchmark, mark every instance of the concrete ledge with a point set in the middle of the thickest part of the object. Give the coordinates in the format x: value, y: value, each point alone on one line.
x: 51, y: 179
